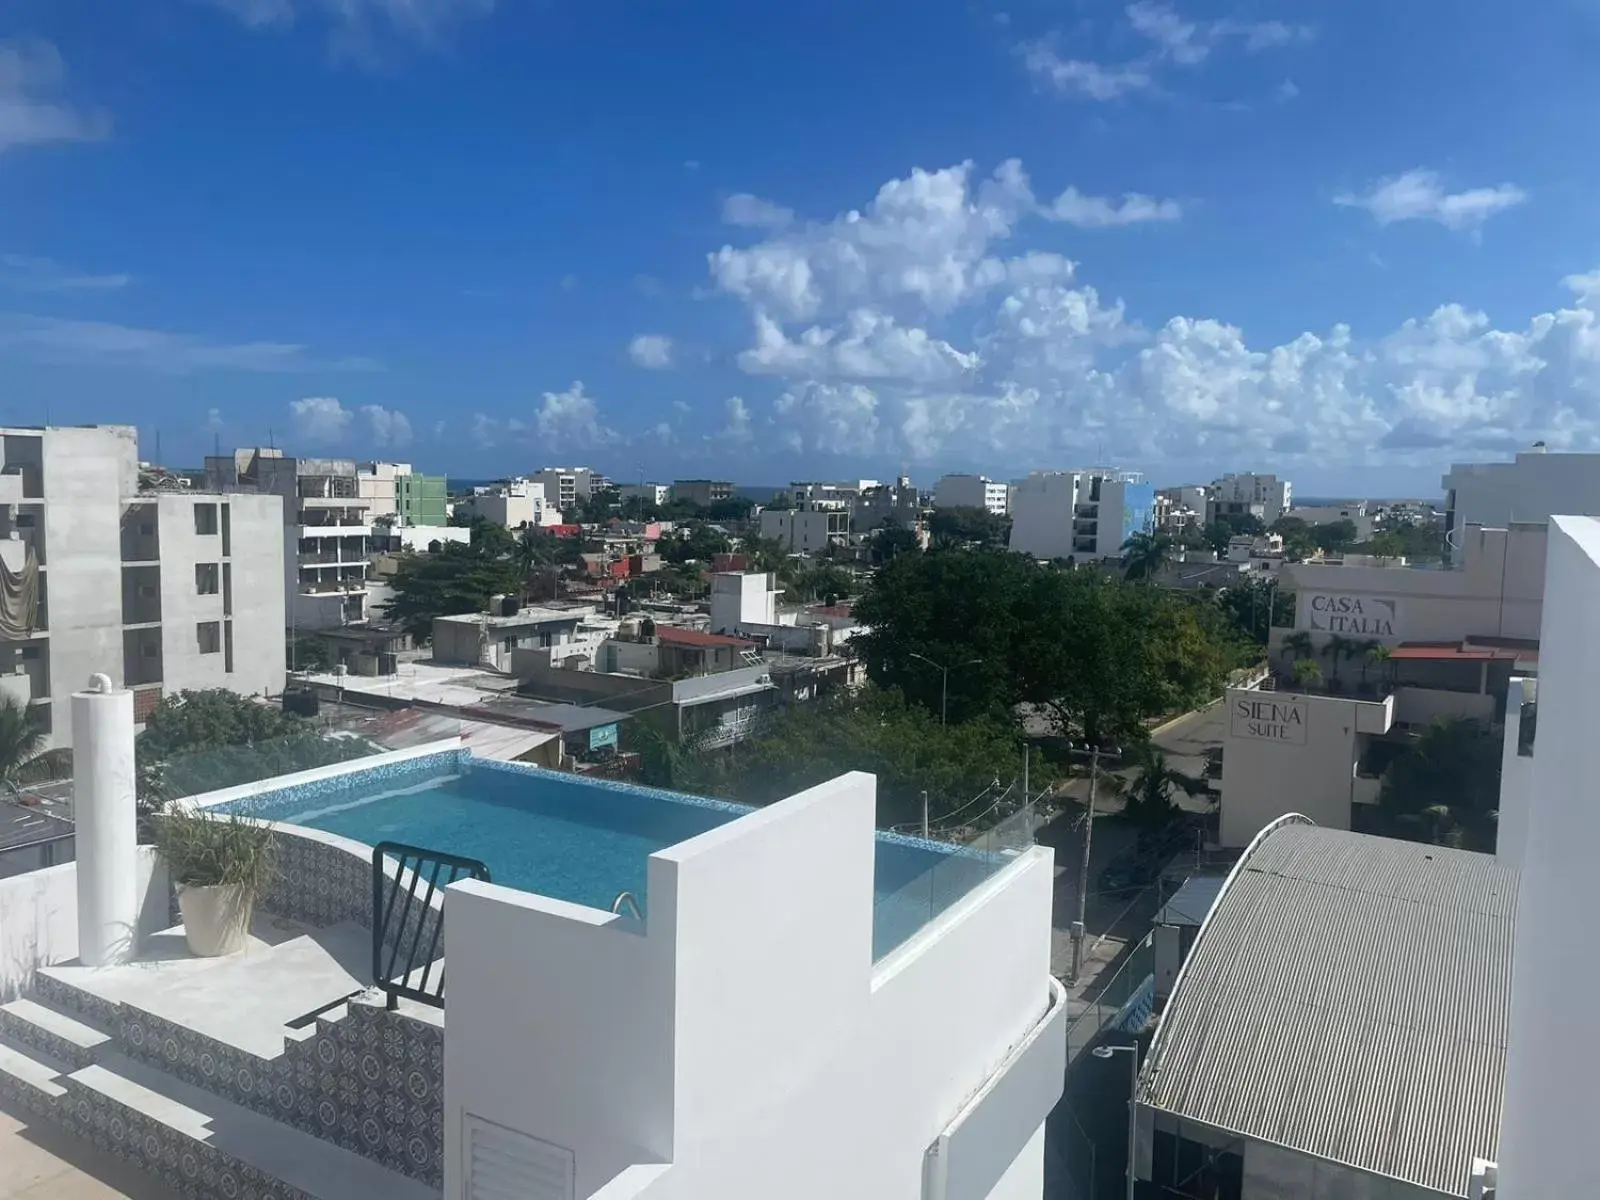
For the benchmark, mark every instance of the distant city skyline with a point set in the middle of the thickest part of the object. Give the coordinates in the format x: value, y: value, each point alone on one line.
x: 1182, y: 236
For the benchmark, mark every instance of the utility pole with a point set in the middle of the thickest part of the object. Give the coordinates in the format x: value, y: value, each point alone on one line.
x: 1083, y: 872
x: 944, y: 679
x: 924, y: 814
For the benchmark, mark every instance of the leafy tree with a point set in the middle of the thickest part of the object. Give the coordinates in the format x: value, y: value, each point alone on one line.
x: 890, y: 540
x: 490, y: 539
x: 1377, y: 655
x: 1254, y: 606
x: 308, y: 653
x: 454, y: 579
x: 23, y: 757
x: 1366, y: 651
x: 816, y: 583
x: 1412, y: 539
x: 1144, y: 555
x: 1228, y: 526
x: 1298, y: 541
x: 701, y: 543
x: 1446, y: 787
x: 967, y: 525
x: 198, y: 741
x: 1334, y: 535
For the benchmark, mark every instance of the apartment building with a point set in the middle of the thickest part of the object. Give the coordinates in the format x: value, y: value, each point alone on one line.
x: 1080, y: 515
x: 516, y: 504
x: 159, y: 590
x: 897, y: 502
x: 396, y: 491
x: 973, y: 491
x: 701, y: 492
x: 1263, y: 496
x: 566, y: 486
x: 806, y: 531
x: 326, y: 530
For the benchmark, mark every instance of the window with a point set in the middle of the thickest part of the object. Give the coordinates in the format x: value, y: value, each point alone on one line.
x: 206, y: 579
x: 208, y: 634
x: 205, y: 518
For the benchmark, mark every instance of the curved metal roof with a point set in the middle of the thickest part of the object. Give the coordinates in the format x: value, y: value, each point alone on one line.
x: 1347, y: 997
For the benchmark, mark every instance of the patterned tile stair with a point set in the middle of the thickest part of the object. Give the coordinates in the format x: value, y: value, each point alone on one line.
x: 361, y: 1078
x: 45, y: 1027
x: 30, y: 1077
x: 203, y: 1146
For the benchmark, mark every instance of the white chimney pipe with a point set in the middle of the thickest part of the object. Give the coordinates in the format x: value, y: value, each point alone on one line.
x: 106, y: 823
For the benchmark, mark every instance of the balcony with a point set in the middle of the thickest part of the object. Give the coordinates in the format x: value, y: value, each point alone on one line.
x: 321, y: 588
x: 21, y: 483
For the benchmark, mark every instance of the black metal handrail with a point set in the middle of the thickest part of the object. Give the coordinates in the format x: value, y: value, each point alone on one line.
x: 391, y: 935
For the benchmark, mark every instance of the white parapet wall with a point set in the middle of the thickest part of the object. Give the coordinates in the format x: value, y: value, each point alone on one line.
x: 1516, y: 775
x: 39, y: 916
x: 1551, y: 1060
x: 741, y: 1041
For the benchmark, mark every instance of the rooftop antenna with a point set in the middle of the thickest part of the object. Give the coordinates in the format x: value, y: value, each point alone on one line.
x: 271, y: 444
x: 158, y: 448
x: 216, y: 443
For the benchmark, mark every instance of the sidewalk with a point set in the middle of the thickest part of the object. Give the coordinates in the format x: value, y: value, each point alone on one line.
x: 40, y: 1162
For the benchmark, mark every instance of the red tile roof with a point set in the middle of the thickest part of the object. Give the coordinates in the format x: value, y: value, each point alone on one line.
x: 677, y: 635
x: 1451, y: 652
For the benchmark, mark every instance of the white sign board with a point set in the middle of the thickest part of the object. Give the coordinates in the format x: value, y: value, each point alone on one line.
x: 1351, y: 615
x: 1269, y: 717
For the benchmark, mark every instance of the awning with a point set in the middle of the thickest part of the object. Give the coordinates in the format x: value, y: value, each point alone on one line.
x: 1452, y: 652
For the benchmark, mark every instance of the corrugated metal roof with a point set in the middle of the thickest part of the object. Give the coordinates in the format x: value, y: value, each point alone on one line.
x: 1349, y: 998
x: 1191, y: 902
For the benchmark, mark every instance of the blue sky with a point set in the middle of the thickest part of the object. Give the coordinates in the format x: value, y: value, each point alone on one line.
x: 1348, y: 242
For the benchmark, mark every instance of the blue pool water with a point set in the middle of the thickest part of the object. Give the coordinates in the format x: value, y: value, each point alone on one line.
x: 582, y: 840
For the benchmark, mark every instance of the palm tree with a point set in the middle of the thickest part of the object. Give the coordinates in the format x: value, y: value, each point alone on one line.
x: 1374, y: 654
x: 1145, y: 554
x: 1297, y: 645
x: 1337, y: 647
x: 23, y: 758
x: 1306, y: 672
x: 1149, y: 793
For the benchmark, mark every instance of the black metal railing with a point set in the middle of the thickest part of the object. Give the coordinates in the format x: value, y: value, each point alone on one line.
x: 404, y: 940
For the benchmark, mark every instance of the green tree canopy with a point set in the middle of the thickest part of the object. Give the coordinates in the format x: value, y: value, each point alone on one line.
x: 451, y: 580
x: 966, y: 525
x: 23, y: 757
x: 1144, y: 555
x: 1254, y: 606
x: 873, y: 730
x: 1099, y: 654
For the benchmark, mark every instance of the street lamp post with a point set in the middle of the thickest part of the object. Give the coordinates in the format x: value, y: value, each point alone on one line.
x: 944, y: 678
x: 1133, y: 1098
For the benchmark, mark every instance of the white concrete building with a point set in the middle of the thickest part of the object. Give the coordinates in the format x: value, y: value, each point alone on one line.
x: 326, y: 530
x: 514, y: 505
x: 1286, y: 752
x: 489, y: 639
x: 973, y: 491
x: 1081, y: 515
x: 1532, y: 488
x: 566, y: 486
x: 375, y: 483
x: 740, y: 598
x: 806, y: 531
x: 1263, y: 496
x: 159, y: 591
x: 826, y: 497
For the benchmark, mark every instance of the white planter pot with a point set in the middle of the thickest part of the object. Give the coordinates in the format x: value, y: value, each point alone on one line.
x: 216, y: 920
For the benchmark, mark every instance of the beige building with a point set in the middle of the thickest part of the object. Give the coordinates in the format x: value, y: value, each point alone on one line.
x: 160, y: 590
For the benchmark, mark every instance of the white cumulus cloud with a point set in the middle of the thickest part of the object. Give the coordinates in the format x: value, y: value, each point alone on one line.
x: 571, y: 419
x: 744, y: 209
x: 1100, y: 212
x: 319, y: 418
x: 390, y: 429
x: 1077, y: 76
x: 652, y: 351
x: 1421, y: 195
x: 915, y: 328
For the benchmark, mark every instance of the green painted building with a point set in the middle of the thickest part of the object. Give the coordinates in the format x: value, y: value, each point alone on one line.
x: 420, y: 499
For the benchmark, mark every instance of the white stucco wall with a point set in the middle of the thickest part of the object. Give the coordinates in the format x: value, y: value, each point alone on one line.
x: 87, y: 473
x: 182, y: 606
x: 743, y: 1043
x: 1532, y: 488
x: 39, y: 917
x: 1552, y: 1057
x: 1516, y: 778
x: 1284, y: 752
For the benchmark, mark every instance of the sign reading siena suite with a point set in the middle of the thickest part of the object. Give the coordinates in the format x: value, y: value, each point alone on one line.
x: 1269, y: 717
x: 1353, y: 616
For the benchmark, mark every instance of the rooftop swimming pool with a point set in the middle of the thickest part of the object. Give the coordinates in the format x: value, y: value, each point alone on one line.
x: 582, y: 840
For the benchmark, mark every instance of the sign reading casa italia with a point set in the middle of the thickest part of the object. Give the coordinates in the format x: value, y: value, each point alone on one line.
x: 1353, y: 616
x: 1266, y: 717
